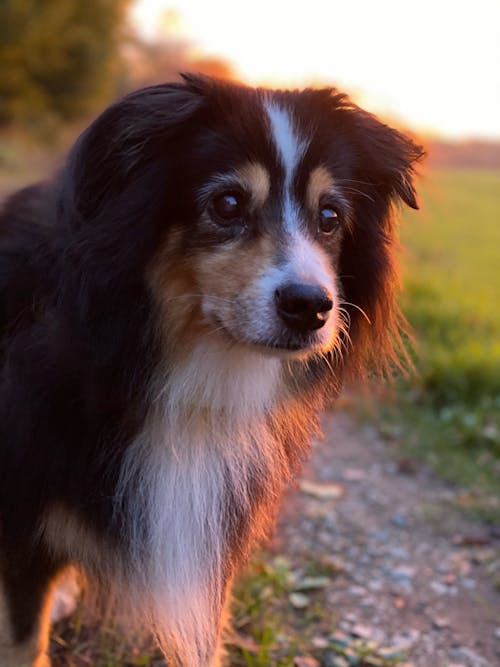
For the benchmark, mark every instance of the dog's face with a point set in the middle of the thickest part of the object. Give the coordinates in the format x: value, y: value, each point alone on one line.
x: 262, y: 236
x: 268, y: 206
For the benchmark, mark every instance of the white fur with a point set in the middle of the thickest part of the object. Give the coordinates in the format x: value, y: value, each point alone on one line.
x: 291, y: 148
x: 202, y: 438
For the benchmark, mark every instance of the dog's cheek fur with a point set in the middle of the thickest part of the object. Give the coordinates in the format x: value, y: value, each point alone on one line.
x: 197, y: 289
x: 226, y: 275
x: 175, y: 294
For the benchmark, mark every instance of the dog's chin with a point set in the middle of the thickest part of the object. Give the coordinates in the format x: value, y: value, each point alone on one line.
x: 284, y: 346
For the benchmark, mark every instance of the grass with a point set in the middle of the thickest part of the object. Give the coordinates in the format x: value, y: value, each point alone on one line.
x: 280, y: 617
x: 449, y: 411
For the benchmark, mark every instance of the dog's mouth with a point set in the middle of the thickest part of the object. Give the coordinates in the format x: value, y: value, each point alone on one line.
x: 284, y: 344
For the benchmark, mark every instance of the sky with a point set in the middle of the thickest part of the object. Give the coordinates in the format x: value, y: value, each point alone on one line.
x: 432, y: 65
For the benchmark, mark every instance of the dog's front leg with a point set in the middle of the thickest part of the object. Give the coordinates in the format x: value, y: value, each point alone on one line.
x: 26, y: 580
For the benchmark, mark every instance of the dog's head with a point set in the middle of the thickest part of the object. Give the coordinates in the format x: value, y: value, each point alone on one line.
x: 259, y: 217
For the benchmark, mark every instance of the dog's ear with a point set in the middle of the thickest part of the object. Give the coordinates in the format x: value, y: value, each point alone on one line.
x: 382, y: 159
x: 387, y: 157
x: 112, y: 205
x: 116, y: 148
x: 383, y: 170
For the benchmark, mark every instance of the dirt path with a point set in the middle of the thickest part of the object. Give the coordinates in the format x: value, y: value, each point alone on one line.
x: 413, y: 574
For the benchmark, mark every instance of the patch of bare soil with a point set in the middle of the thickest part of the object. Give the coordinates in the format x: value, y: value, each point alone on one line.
x: 413, y: 572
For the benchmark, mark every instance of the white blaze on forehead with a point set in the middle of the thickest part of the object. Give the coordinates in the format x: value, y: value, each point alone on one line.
x: 291, y: 148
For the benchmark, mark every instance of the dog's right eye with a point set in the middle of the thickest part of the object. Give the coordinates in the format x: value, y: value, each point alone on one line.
x: 228, y: 206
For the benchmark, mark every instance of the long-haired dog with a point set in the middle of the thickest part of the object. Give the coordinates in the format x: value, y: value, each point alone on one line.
x: 175, y: 308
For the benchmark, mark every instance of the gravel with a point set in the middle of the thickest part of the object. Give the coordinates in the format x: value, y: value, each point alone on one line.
x: 407, y: 579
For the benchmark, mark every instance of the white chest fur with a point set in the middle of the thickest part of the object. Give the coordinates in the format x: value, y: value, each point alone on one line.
x: 204, y: 446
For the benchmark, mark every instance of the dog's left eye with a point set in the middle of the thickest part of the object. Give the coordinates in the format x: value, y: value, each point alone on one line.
x: 228, y: 206
x: 329, y: 219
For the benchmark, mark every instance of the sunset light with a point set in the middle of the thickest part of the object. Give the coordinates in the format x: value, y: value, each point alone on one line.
x: 432, y: 65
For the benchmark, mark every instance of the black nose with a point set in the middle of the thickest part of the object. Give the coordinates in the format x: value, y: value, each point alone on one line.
x: 303, y: 307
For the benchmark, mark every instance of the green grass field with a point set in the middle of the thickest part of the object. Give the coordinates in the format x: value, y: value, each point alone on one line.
x: 451, y: 274
x: 449, y: 410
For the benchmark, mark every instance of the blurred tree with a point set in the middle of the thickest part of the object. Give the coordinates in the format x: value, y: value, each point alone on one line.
x: 58, y: 58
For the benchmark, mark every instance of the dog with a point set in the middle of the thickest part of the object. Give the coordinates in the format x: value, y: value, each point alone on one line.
x: 177, y: 305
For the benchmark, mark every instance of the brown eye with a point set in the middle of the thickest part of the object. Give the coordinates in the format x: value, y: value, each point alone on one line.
x: 228, y: 206
x: 328, y: 219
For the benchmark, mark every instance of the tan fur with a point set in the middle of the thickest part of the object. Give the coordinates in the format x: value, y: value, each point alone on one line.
x: 226, y: 271
x: 256, y: 179
x: 320, y: 182
x: 175, y: 290
x: 180, y: 285
x: 252, y: 177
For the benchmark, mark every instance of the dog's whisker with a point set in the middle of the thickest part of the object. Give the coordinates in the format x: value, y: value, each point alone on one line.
x: 327, y: 361
x: 348, y: 303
